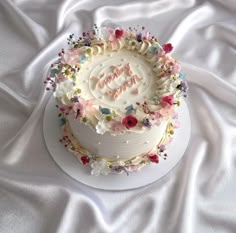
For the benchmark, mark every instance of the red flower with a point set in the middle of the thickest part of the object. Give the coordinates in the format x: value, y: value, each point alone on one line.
x: 153, y: 158
x: 119, y: 33
x: 167, y: 100
x: 85, y: 159
x: 129, y: 121
x: 167, y: 47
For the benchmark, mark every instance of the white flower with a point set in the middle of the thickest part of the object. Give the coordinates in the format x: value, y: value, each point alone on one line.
x: 64, y: 88
x: 101, y: 127
x: 99, y: 167
x: 104, y: 33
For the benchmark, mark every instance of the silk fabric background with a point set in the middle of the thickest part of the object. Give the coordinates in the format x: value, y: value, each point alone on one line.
x: 199, y: 195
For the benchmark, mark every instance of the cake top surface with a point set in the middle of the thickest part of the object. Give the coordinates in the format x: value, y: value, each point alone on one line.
x: 117, y: 80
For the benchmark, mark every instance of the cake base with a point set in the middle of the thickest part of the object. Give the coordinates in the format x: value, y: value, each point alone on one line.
x: 147, y: 175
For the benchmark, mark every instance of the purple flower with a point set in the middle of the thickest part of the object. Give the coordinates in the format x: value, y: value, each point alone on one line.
x: 120, y: 169
x: 147, y: 123
x: 162, y: 148
x: 87, y: 42
x: 183, y: 86
x: 139, y: 37
x: 75, y: 99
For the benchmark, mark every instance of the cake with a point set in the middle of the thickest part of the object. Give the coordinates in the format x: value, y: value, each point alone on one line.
x: 118, y: 93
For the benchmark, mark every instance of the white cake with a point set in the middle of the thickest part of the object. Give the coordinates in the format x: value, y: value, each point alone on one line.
x: 118, y: 92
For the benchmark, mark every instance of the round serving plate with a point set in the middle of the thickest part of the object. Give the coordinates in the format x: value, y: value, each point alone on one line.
x: 147, y: 175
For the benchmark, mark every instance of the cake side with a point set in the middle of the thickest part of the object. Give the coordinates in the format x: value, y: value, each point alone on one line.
x: 114, y: 164
x: 125, y: 146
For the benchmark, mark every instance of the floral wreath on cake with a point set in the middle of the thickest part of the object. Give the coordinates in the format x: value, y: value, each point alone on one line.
x: 141, y: 116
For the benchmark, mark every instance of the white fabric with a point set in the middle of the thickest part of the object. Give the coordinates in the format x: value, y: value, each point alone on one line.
x: 197, y: 196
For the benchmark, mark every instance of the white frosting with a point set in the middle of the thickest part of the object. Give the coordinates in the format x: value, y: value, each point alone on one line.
x: 140, y: 84
x: 127, y: 145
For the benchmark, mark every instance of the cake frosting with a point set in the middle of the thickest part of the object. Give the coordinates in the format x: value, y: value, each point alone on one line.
x: 118, y: 93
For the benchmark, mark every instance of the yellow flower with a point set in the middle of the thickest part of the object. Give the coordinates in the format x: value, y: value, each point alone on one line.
x: 89, y: 51
x: 114, y: 114
x: 133, y: 43
x: 77, y: 91
x: 67, y: 71
x: 108, y: 118
x: 84, y: 119
x: 172, y: 131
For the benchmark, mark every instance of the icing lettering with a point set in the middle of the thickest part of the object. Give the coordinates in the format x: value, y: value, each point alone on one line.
x: 127, y: 84
x: 103, y: 81
x: 115, y: 74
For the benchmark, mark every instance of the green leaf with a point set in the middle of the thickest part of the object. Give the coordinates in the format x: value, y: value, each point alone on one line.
x: 62, y: 121
x: 154, y: 48
x: 53, y: 72
x: 130, y: 109
x: 105, y: 111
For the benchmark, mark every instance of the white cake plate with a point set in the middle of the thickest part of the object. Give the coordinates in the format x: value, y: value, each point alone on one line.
x: 147, y: 175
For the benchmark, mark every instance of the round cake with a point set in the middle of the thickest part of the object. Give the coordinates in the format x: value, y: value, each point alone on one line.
x: 118, y: 93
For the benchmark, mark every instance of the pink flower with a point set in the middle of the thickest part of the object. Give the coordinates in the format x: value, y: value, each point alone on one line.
x: 71, y: 57
x: 167, y: 112
x: 90, y: 110
x: 167, y: 47
x: 161, y: 54
x: 61, y: 78
x: 157, y: 118
x: 153, y: 157
x: 79, y: 110
x: 167, y: 100
x: 84, y: 108
x: 176, y: 68
x: 129, y: 121
x: 176, y: 124
x: 115, y: 35
x: 116, y: 126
